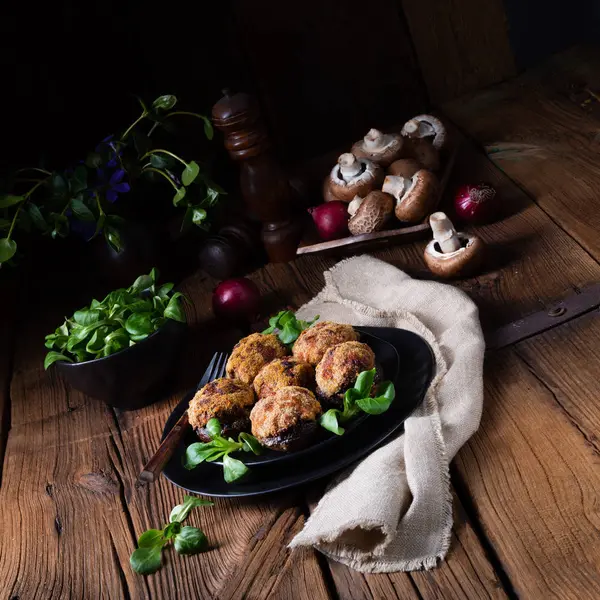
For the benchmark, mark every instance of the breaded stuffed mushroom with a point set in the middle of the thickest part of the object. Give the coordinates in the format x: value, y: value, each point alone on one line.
x: 313, y: 342
x: 251, y: 354
x: 286, y: 420
x: 283, y: 372
x: 228, y: 400
x: 339, y: 368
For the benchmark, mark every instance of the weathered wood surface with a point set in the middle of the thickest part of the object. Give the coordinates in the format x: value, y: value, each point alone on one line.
x: 527, y: 519
x: 533, y: 479
x: 543, y: 130
x: 461, y: 46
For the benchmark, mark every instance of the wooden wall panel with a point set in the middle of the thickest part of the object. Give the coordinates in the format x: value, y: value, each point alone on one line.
x: 461, y: 45
x: 327, y: 71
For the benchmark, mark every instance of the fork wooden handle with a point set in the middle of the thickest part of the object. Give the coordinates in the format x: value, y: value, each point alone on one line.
x: 161, y: 457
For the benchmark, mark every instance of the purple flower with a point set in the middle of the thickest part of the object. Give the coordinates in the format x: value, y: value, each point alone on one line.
x: 113, y: 185
x: 113, y: 158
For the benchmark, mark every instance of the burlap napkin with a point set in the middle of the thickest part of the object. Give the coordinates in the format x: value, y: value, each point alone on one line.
x: 393, y: 510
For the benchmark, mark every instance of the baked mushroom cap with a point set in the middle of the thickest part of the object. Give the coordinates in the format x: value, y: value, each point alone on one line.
x: 381, y: 148
x: 371, y: 213
x: 286, y: 420
x: 415, y: 197
x: 313, y: 342
x: 452, y: 253
x: 283, y: 372
x: 339, y: 368
x: 405, y: 167
x: 251, y: 354
x: 228, y: 400
x: 426, y: 126
x: 351, y: 177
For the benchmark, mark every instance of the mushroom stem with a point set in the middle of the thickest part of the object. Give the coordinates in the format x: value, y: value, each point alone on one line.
x: 354, y: 205
x: 374, y: 140
x: 444, y: 233
x: 349, y: 166
x: 396, y: 185
x: 418, y: 129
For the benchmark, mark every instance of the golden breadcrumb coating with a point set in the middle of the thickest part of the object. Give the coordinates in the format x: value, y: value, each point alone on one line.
x: 251, y: 354
x: 279, y: 414
x: 226, y: 399
x: 340, y: 366
x: 313, y: 342
x: 283, y: 372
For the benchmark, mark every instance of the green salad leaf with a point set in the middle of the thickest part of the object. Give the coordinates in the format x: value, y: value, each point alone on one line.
x: 357, y: 399
x: 147, y: 559
x: 125, y: 317
x: 287, y: 326
x: 220, y: 447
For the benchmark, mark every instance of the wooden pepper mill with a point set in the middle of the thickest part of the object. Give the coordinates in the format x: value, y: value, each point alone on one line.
x: 264, y: 186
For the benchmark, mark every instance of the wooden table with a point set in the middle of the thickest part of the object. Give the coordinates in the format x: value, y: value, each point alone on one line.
x: 527, y: 520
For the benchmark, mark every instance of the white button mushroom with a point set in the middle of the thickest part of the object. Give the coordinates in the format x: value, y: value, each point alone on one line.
x: 350, y: 177
x: 426, y: 127
x: 381, y: 148
x: 452, y: 253
x: 416, y: 197
x: 426, y: 137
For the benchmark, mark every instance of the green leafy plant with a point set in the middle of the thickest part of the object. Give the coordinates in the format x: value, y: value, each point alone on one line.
x: 186, y: 540
x: 123, y: 318
x: 81, y: 199
x: 220, y: 447
x: 287, y: 326
x: 357, y: 399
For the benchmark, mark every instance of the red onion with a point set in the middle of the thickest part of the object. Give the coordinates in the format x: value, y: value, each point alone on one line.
x: 331, y: 219
x: 476, y: 203
x: 236, y: 299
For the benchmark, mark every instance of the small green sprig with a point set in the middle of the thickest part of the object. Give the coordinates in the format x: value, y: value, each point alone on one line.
x: 287, y: 326
x: 357, y: 399
x: 220, y: 447
x: 186, y: 540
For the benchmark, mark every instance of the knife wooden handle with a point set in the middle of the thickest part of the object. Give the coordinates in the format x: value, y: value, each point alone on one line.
x: 164, y: 452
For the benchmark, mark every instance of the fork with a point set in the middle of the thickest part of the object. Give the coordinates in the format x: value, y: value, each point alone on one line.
x: 155, y: 465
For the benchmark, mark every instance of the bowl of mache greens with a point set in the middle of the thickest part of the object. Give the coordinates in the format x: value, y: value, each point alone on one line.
x: 122, y: 349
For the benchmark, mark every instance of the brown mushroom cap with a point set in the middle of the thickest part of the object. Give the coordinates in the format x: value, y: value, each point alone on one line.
x: 381, y: 148
x: 351, y: 177
x: 405, y: 167
x: 423, y: 151
x: 372, y: 213
x: 415, y: 197
x: 426, y: 127
x: 464, y: 261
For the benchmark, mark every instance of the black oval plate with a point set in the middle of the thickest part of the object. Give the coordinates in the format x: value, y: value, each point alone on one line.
x: 389, y: 363
x: 415, y: 370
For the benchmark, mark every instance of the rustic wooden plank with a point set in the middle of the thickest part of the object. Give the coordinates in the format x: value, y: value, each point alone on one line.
x: 461, y: 45
x: 533, y: 481
x: 9, y: 318
x: 566, y: 360
x: 466, y: 572
x: 543, y: 129
x: 63, y: 520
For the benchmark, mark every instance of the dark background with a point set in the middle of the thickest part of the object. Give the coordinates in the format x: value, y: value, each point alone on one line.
x: 324, y: 70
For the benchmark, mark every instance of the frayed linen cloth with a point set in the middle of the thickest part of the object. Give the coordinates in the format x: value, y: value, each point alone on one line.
x: 393, y: 510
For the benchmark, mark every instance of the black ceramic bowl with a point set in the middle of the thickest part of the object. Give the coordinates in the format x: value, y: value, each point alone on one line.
x: 132, y: 378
